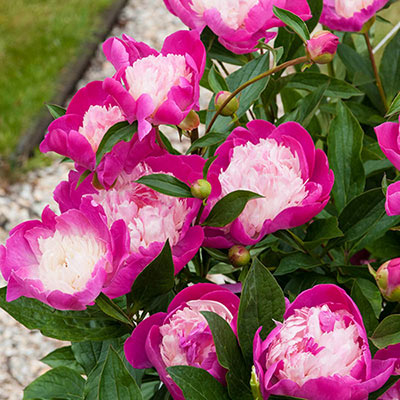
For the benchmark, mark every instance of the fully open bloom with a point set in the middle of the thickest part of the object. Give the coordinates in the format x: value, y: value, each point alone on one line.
x: 320, y: 350
x: 239, y: 24
x: 280, y: 164
x: 64, y: 261
x: 151, y: 217
x: 78, y: 133
x: 321, y: 48
x: 388, y: 279
x: 159, y: 88
x: 181, y: 336
x: 349, y: 16
x: 388, y: 135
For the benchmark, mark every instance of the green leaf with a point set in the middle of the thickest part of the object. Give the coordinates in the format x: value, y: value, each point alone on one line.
x: 112, y: 309
x: 345, y: 142
x: 207, y: 166
x: 155, y: 280
x: 111, y: 380
x: 230, y: 357
x: 229, y: 208
x: 121, y: 131
x: 320, y: 231
x: 216, y: 80
x: 296, y: 261
x: 197, y: 384
x: 390, y: 67
x: 59, y: 383
x: 394, y: 107
x: 166, y: 184
x: 168, y: 145
x: 56, y: 111
x: 217, y: 254
x: 262, y: 302
x: 311, y: 81
x: 74, y: 326
x: 83, y: 176
x: 208, y: 140
x: 389, y: 383
x: 387, y: 332
x: 369, y: 301
x: 249, y: 95
x: 294, y: 22
x: 63, y: 357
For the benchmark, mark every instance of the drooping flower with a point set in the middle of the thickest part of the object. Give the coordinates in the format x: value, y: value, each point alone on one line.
x: 388, y: 279
x: 280, y: 164
x: 159, y: 88
x: 320, y: 350
x: 181, y: 336
x: 388, y: 135
x: 321, y: 48
x: 349, y: 16
x: 78, y: 133
x: 151, y: 217
x: 239, y: 24
x: 64, y: 261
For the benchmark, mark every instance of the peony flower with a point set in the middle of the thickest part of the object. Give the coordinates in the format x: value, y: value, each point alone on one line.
x: 388, y: 279
x: 239, y: 24
x: 64, y: 261
x: 279, y: 163
x: 349, y: 16
x: 159, y: 88
x: 388, y: 135
x: 151, y: 217
x: 320, y: 351
x: 181, y: 336
x: 321, y: 48
x: 78, y: 133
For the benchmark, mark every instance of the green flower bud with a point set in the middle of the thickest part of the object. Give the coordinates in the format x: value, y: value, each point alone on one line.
x: 201, y: 189
x: 230, y: 108
x: 239, y: 256
x: 192, y: 121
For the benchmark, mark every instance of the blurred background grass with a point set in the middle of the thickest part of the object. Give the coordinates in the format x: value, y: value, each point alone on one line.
x: 38, y: 38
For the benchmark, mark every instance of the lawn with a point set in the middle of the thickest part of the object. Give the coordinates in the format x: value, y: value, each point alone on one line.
x: 38, y: 38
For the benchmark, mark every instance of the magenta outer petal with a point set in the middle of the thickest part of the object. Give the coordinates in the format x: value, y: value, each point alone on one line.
x: 392, y: 204
x: 135, y: 344
x: 388, y: 138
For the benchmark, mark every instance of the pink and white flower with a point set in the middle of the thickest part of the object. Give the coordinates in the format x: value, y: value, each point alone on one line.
x: 320, y: 350
x: 239, y: 24
x: 280, y: 164
x: 64, y: 261
x: 349, y: 16
x: 159, y: 88
x: 181, y: 336
x: 321, y: 48
x: 78, y: 133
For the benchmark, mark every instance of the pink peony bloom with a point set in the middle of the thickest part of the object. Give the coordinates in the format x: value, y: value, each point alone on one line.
x: 239, y: 24
x: 151, y: 217
x: 181, y: 336
x: 280, y: 164
x: 349, y: 16
x: 320, y: 350
x: 388, y: 135
x: 64, y: 261
x: 321, y: 48
x: 159, y: 88
x: 388, y: 279
x: 78, y: 133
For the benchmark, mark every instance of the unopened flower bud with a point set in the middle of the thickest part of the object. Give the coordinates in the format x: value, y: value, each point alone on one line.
x: 388, y: 279
x: 192, y: 121
x: 230, y: 108
x: 321, y: 48
x: 239, y: 256
x: 96, y: 183
x: 201, y: 189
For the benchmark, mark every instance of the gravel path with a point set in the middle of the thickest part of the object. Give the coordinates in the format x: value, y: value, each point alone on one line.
x: 145, y: 20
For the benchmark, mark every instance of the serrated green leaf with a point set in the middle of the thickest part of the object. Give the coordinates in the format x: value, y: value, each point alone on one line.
x: 166, y: 184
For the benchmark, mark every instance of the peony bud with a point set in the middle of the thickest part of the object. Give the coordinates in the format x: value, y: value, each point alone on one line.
x: 388, y: 279
x: 230, y: 108
x: 321, y: 48
x: 239, y: 256
x: 192, y: 121
x: 201, y: 189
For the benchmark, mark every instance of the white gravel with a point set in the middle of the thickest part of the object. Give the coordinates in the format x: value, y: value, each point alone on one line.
x: 20, y: 349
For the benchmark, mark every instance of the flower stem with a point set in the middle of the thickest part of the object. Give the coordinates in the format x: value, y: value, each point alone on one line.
x: 271, y: 71
x: 376, y: 73
x: 158, y: 137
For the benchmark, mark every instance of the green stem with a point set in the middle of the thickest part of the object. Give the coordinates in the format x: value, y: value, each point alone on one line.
x: 375, y: 69
x: 199, y: 214
x: 158, y: 137
x: 271, y: 71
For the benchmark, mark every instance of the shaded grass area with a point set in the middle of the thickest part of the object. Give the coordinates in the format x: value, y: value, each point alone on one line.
x: 38, y: 38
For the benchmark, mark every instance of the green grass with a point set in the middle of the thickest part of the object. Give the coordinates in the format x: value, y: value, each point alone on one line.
x: 38, y: 38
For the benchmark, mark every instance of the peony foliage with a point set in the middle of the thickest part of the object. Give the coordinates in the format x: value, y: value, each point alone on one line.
x: 262, y: 262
